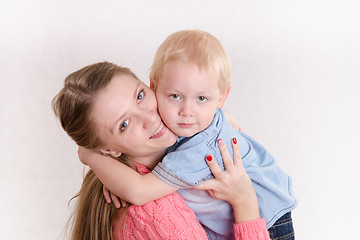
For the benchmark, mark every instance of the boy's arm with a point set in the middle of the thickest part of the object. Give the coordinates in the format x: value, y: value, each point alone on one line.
x: 125, y: 182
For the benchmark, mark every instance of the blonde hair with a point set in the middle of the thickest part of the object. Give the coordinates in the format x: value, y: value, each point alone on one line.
x: 195, y: 46
x: 93, y: 217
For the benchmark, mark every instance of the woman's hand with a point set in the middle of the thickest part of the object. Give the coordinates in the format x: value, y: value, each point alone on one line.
x: 232, y: 185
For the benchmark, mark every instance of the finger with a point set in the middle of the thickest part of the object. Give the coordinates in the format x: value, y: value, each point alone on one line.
x: 115, y: 200
x: 211, y: 193
x: 207, y: 185
x: 106, y: 193
x: 225, y: 155
x: 123, y: 203
x: 214, y: 167
x: 237, y: 154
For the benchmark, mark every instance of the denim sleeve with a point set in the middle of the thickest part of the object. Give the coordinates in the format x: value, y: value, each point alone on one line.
x: 186, y: 167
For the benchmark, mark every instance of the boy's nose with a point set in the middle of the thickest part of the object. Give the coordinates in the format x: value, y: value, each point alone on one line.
x: 186, y: 110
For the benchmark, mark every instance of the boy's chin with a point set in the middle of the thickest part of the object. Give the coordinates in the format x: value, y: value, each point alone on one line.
x: 185, y: 133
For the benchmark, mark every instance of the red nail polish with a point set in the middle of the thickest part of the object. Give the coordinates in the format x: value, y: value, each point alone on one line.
x: 209, y: 158
x: 234, y: 141
x: 219, y: 141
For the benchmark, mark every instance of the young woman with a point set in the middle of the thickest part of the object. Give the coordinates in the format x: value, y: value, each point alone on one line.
x: 95, y: 106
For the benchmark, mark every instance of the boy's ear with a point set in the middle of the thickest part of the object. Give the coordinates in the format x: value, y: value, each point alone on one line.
x: 111, y: 153
x: 223, y: 98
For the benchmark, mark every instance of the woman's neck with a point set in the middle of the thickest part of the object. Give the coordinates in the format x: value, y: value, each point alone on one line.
x: 150, y: 161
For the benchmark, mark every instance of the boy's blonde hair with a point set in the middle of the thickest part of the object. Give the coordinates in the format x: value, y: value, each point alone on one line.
x: 195, y: 46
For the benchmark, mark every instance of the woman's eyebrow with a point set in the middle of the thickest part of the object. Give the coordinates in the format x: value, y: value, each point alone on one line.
x: 136, y: 91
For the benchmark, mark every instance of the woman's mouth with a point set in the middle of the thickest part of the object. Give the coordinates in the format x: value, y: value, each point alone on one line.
x: 159, y: 132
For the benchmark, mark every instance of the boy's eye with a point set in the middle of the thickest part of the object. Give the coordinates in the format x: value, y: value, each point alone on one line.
x: 175, y: 96
x: 140, y: 96
x: 202, y: 99
x: 124, y: 125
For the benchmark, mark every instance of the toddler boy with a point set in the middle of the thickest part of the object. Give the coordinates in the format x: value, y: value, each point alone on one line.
x: 191, y: 78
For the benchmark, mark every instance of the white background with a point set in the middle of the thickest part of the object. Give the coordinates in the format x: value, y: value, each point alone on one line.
x: 296, y: 73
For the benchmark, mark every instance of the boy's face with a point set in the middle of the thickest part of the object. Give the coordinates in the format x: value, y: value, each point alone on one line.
x: 188, y: 97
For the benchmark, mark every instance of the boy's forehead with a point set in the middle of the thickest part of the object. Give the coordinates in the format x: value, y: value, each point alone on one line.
x: 183, y: 74
x: 192, y: 87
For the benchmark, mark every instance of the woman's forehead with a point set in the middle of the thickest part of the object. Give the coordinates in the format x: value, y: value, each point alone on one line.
x: 113, y: 101
x: 119, y: 86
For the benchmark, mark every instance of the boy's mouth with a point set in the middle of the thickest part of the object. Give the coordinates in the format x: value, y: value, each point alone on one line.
x: 185, y: 125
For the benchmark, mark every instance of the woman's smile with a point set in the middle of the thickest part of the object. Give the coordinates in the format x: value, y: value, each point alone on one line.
x: 159, y: 132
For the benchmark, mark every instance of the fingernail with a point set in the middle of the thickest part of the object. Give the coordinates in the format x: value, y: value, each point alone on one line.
x: 234, y: 140
x: 209, y: 158
x: 219, y: 141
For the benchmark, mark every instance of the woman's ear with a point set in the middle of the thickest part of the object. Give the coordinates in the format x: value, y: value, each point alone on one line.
x: 223, y: 98
x: 152, y: 84
x: 111, y: 153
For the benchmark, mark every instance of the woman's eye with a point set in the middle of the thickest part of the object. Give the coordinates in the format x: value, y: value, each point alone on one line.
x: 202, y: 99
x: 124, y: 125
x: 140, y: 96
x: 175, y: 96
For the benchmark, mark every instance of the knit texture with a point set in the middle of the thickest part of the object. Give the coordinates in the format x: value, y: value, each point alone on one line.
x: 252, y: 230
x: 170, y: 218
x: 165, y: 218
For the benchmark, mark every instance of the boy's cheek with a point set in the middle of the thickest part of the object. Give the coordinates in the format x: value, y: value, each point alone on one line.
x: 167, y: 114
x: 164, y: 104
x: 162, y: 108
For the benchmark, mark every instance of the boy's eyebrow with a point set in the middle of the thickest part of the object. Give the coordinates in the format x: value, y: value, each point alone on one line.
x: 123, y: 115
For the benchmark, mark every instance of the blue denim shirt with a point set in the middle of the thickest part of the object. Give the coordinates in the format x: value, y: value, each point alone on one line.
x: 184, y: 167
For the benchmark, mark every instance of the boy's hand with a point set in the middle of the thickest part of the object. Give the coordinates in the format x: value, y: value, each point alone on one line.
x: 84, y: 155
x: 109, y: 196
x: 231, y: 119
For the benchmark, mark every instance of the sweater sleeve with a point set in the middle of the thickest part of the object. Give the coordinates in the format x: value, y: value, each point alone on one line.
x: 165, y: 218
x: 251, y: 230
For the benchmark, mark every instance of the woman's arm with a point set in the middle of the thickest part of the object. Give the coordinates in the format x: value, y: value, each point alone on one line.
x: 124, y: 181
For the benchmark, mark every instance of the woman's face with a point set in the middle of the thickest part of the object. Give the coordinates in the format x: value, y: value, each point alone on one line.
x: 125, y: 113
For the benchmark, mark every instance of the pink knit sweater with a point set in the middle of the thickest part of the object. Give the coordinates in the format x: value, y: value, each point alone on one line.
x: 170, y: 218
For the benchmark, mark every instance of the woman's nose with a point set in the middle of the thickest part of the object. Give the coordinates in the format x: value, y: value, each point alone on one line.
x: 149, y: 117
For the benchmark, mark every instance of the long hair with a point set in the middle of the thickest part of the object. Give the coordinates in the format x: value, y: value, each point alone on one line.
x: 93, y: 217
